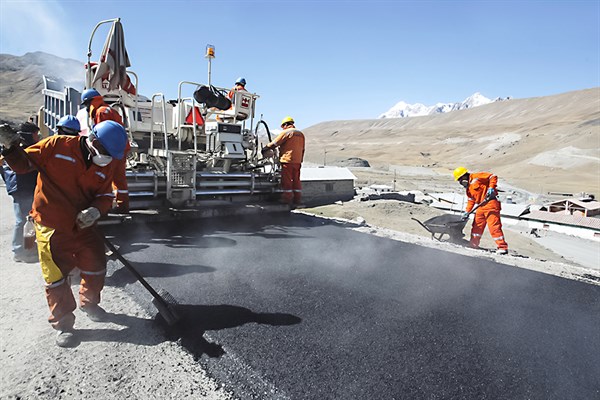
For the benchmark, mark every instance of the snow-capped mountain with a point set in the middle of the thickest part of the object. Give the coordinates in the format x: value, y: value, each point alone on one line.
x: 403, y: 109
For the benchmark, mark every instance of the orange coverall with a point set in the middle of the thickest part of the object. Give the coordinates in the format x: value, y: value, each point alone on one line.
x: 479, y: 183
x: 61, y: 245
x: 100, y: 111
x: 291, y: 155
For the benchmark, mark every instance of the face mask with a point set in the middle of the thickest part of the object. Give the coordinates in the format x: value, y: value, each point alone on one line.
x: 100, y: 160
x: 464, y: 183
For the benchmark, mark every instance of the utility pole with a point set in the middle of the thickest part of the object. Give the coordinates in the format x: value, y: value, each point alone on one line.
x: 324, y: 156
x: 394, y: 189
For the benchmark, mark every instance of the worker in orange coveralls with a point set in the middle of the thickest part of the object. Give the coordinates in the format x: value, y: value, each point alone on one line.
x: 482, y: 189
x: 291, y: 154
x: 240, y: 85
x: 99, y: 111
x: 73, y: 190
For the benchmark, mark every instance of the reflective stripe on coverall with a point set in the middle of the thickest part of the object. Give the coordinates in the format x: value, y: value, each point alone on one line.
x: 290, y: 183
x: 489, y: 213
x: 59, y: 253
x: 291, y: 154
x: 74, y: 186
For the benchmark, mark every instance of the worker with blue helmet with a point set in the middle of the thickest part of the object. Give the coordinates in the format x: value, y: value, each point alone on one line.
x: 68, y: 125
x: 74, y: 189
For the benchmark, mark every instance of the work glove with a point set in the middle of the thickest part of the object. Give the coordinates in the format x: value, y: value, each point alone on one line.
x: 8, y: 137
x: 491, y: 194
x: 87, y: 217
x: 464, y: 216
x: 267, y: 152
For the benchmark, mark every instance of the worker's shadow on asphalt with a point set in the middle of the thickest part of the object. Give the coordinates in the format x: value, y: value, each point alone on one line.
x: 174, y: 241
x: 121, y: 276
x: 195, y: 320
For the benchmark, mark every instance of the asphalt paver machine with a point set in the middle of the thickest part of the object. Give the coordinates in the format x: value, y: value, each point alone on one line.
x: 185, y: 152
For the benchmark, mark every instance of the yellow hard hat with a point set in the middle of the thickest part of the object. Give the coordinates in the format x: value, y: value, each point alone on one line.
x: 286, y: 120
x: 458, y: 172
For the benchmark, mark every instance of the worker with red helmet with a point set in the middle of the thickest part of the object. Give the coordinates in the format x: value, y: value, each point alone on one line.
x: 99, y: 111
x: 73, y: 190
x: 291, y: 154
x: 482, y: 189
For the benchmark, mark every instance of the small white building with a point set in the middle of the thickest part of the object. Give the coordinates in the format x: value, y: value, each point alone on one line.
x: 326, y: 185
x: 575, y: 207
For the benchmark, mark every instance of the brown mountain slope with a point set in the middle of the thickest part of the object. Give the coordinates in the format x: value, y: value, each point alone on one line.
x: 21, y: 81
x: 540, y: 144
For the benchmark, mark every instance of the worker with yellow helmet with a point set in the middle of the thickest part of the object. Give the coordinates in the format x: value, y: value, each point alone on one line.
x: 481, y: 188
x: 291, y: 154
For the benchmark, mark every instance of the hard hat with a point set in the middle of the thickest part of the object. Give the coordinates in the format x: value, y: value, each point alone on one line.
x: 69, y: 124
x: 286, y: 120
x: 458, y: 172
x: 112, y: 136
x: 88, y: 95
x: 241, y: 81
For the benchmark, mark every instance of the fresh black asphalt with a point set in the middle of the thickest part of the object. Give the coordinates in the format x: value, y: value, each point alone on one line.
x: 292, y: 307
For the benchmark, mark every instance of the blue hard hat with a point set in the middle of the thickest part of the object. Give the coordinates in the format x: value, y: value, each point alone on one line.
x: 241, y: 81
x: 112, y: 136
x: 88, y: 95
x: 70, y: 124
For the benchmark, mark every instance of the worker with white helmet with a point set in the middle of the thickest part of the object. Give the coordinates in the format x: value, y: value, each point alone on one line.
x: 73, y: 190
x: 482, y: 189
x: 291, y: 154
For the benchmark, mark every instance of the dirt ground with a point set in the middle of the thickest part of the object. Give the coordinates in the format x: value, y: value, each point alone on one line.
x: 126, y: 358
x: 397, y: 216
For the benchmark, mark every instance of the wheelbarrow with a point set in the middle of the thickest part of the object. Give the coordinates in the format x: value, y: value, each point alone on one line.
x: 451, y: 225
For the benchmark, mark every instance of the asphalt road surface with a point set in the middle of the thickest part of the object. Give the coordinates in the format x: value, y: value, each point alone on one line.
x: 293, y: 307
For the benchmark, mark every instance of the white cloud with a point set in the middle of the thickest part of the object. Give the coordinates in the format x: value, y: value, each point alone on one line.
x: 27, y: 25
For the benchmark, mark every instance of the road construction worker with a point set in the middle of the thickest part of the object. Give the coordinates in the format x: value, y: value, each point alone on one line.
x: 291, y: 154
x: 99, y: 111
x: 481, y: 188
x: 73, y: 190
x: 240, y: 84
x: 68, y: 125
x: 21, y: 187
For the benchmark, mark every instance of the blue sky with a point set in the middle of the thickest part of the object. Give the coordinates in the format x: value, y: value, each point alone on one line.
x: 330, y: 60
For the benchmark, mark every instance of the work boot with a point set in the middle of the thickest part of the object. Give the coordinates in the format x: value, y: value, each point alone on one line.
x: 502, y: 251
x: 66, y: 338
x: 94, y: 312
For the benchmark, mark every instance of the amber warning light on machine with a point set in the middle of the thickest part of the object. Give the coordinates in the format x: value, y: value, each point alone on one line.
x: 210, y: 51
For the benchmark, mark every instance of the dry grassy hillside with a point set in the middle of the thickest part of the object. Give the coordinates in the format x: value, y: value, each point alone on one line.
x: 21, y: 82
x: 540, y: 144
